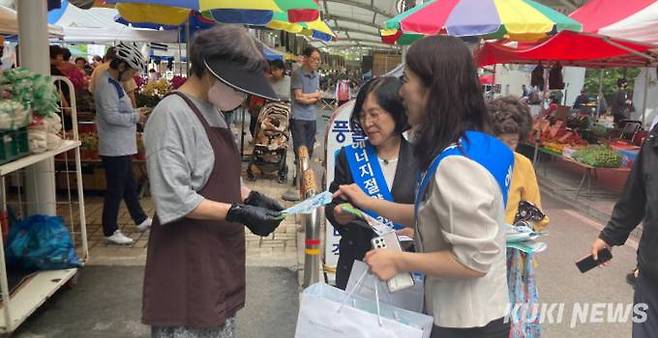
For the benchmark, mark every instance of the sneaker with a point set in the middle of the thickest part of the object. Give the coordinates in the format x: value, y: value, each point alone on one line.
x: 119, y: 238
x: 145, y: 225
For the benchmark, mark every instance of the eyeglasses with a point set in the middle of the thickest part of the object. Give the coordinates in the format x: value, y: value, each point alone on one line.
x: 369, y: 116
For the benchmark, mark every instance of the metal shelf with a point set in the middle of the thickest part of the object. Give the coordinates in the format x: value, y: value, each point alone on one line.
x: 32, y: 294
x: 29, y: 160
x: 15, y: 308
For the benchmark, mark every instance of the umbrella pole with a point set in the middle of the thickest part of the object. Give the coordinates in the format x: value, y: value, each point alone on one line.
x: 599, y: 96
x: 180, y: 53
x: 646, y: 92
x: 187, y: 44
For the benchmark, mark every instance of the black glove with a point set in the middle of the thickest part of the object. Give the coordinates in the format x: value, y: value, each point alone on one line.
x: 260, y: 221
x: 259, y: 200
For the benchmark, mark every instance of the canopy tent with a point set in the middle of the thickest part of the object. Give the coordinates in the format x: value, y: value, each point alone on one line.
x: 570, y: 49
x: 9, y: 23
x: 97, y: 25
x: 629, y: 19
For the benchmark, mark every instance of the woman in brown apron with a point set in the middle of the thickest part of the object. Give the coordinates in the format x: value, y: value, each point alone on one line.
x: 194, y: 281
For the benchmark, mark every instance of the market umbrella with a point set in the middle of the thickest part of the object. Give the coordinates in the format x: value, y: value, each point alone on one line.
x: 628, y: 19
x: 251, y: 12
x: 494, y: 19
x: 316, y: 29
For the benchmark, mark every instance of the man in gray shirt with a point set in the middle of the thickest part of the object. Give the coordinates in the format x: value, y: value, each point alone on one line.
x: 116, y: 122
x: 305, y: 87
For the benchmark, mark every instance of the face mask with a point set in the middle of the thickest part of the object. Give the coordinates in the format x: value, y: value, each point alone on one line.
x: 224, y: 97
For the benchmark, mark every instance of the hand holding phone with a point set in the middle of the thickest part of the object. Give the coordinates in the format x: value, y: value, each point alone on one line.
x: 588, y: 263
x: 390, y: 241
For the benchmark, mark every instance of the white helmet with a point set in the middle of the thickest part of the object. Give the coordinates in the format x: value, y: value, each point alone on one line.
x: 130, y: 54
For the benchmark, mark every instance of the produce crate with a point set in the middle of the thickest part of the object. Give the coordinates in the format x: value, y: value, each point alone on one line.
x: 13, y: 144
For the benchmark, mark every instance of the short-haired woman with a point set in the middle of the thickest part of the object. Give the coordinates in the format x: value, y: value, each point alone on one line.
x: 392, y: 172
x: 194, y: 280
x: 511, y: 123
x: 459, y: 211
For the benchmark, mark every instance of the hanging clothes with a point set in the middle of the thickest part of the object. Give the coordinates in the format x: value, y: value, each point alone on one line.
x: 537, y: 77
x: 555, y: 80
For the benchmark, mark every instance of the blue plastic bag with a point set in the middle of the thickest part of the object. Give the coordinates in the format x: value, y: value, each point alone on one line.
x: 41, y: 243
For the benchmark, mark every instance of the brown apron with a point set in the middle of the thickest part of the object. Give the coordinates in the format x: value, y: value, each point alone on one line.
x: 195, y: 270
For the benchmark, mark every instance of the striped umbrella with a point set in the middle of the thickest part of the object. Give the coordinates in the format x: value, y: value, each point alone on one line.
x: 250, y: 12
x: 628, y: 19
x: 513, y: 19
x: 316, y: 29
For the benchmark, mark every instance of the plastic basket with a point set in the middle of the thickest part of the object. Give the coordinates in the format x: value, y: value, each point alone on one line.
x: 13, y: 145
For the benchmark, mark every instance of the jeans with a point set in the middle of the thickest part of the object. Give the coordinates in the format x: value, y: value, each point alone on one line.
x: 303, y: 134
x: 646, y: 292
x: 120, y: 185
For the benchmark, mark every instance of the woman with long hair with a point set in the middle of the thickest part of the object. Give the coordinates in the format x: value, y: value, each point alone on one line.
x: 459, y: 210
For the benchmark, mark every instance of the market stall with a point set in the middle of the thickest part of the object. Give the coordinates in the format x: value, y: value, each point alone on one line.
x: 579, y: 138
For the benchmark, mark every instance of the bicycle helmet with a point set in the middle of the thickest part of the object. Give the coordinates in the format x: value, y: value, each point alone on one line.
x: 130, y: 54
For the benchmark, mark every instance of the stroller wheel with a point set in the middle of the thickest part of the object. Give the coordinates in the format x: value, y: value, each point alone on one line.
x: 283, y: 177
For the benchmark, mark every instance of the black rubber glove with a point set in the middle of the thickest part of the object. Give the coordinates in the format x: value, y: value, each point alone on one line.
x: 260, y: 221
x: 259, y: 200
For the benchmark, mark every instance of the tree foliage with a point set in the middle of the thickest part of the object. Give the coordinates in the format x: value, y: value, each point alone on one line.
x: 610, y: 77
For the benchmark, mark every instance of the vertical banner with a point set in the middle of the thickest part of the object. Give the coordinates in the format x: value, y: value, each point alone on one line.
x: 338, y: 134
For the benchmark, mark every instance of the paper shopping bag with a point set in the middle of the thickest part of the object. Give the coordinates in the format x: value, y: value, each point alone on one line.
x: 409, y: 299
x: 328, y: 312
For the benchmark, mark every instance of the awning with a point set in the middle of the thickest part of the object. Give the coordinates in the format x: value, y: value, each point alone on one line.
x: 97, y: 25
x: 9, y: 23
x: 629, y: 19
x: 570, y: 49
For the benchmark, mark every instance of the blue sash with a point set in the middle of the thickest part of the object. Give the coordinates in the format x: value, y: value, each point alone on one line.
x: 484, y: 149
x: 368, y: 175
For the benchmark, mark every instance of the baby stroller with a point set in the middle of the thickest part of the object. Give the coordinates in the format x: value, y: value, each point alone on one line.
x: 271, y: 143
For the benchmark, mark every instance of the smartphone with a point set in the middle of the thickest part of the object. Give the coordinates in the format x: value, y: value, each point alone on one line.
x: 588, y: 263
x: 390, y: 241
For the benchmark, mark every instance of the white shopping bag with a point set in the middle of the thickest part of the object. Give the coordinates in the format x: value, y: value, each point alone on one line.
x: 409, y: 299
x: 328, y: 312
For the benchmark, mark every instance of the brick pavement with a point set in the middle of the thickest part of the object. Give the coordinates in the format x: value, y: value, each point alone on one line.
x: 278, y: 249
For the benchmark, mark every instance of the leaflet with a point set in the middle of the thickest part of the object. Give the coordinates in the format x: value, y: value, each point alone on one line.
x: 308, y: 205
x: 524, y: 239
x: 377, y: 226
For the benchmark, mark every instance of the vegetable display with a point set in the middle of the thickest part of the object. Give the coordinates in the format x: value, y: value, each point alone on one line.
x: 599, y: 156
x: 32, y: 90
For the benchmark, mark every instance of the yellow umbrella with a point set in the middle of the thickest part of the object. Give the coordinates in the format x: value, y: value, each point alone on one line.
x: 316, y: 29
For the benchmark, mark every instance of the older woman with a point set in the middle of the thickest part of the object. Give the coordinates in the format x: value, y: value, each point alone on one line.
x: 378, y: 111
x: 459, y: 211
x: 511, y: 123
x: 194, y: 280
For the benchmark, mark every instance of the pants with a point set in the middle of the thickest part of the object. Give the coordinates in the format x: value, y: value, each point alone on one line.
x: 120, y: 185
x: 303, y: 134
x: 495, y: 329
x: 646, y: 292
